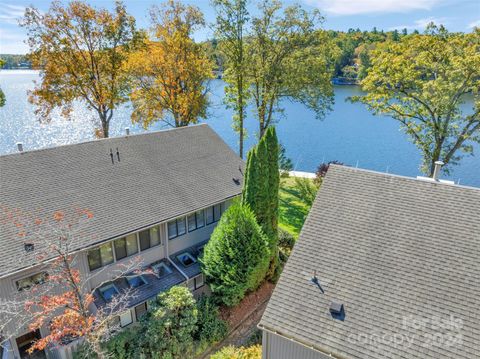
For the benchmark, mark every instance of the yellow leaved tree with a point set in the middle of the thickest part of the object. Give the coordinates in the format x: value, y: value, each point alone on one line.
x: 169, y: 76
x: 81, y: 52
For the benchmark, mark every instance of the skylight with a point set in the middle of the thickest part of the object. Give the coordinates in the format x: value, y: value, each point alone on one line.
x: 161, y: 270
x: 186, y: 259
x: 136, y: 281
x: 108, y: 291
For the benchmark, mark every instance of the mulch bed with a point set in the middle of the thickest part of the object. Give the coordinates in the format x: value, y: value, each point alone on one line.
x: 236, y: 315
x: 243, y: 318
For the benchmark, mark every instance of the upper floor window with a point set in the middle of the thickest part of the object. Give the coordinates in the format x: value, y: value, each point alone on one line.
x: 195, y: 220
x: 126, y: 246
x: 176, y: 228
x: 100, y: 256
x: 149, y: 238
x: 29, y: 282
x: 214, y: 213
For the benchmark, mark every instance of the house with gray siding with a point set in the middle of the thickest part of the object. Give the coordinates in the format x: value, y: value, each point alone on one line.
x: 384, y: 267
x: 156, y: 196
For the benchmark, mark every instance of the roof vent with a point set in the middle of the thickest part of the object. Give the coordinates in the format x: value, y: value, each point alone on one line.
x: 436, y: 175
x: 337, y: 310
x: 236, y: 181
x: 127, y: 131
x: 20, y: 146
x: 29, y: 247
x: 436, y: 170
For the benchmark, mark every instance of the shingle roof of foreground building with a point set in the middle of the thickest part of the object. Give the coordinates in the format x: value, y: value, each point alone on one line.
x: 154, y: 177
x: 403, y: 257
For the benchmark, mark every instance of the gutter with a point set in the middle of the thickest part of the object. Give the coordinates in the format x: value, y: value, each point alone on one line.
x: 296, y: 341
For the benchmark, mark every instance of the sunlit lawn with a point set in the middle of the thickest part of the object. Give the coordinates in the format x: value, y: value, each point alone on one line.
x: 293, y: 210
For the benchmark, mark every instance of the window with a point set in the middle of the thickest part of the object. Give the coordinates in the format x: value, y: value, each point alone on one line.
x: 176, y: 228
x: 195, y: 221
x: 149, y: 238
x: 214, y: 213
x: 144, y: 239
x: 186, y: 259
x: 120, y: 248
x: 161, y: 270
x: 191, y: 285
x: 126, y: 318
x: 29, y: 282
x: 140, y: 310
x: 100, y: 256
x: 108, y: 291
x: 132, y: 245
x: 199, y: 281
x: 125, y: 247
x: 154, y: 236
x: 136, y: 281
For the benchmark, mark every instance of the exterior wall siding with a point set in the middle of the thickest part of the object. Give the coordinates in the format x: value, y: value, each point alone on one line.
x: 277, y: 347
x: 104, y: 274
x: 147, y: 256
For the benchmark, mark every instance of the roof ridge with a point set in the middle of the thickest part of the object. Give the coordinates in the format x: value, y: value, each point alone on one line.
x: 413, y: 179
x: 146, y: 133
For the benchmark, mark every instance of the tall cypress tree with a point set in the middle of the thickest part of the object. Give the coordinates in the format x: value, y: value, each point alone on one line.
x: 260, y: 190
x: 273, y: 178
x: 250, y: 179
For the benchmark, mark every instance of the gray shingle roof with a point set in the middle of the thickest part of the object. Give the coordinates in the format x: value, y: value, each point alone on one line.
x: 391, y: 249
x: 161, y: 175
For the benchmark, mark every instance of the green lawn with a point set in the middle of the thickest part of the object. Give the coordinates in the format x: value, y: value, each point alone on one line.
x: 293, y: 210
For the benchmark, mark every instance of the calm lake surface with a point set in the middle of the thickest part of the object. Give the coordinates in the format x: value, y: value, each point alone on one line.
x: 349, y: 133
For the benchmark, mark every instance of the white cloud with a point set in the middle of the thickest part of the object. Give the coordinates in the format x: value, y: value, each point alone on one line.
x: 353, y: 7
x: 474, y: 24
x: 421, y: 24
x: 10, y: 14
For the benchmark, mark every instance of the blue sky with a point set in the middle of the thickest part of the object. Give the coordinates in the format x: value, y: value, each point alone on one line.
x: 456, y: 15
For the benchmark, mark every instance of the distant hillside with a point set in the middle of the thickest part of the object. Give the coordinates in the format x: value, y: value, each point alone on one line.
x: 15, y: 61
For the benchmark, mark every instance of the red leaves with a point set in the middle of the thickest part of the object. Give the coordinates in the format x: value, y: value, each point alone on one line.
x: 58, y: 216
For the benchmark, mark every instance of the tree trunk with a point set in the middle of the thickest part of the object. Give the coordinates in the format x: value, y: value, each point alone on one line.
x: 240, y: 116
x: 105, y: 121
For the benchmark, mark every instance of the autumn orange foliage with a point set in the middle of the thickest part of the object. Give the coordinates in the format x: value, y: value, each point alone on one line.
x: 169, y: 74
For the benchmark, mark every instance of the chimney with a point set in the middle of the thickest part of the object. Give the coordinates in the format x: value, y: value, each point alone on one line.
x: 20, y: 146
x: 127, y: 131
x: 436, y: 171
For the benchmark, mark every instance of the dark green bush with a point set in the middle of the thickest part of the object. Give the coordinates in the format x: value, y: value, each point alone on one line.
x: 169, y: 326
x: 210, y: 328
x: 124, y: 345
x: 236, y: 258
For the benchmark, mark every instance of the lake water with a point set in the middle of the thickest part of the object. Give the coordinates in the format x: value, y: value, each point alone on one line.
x: 349, y: 133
